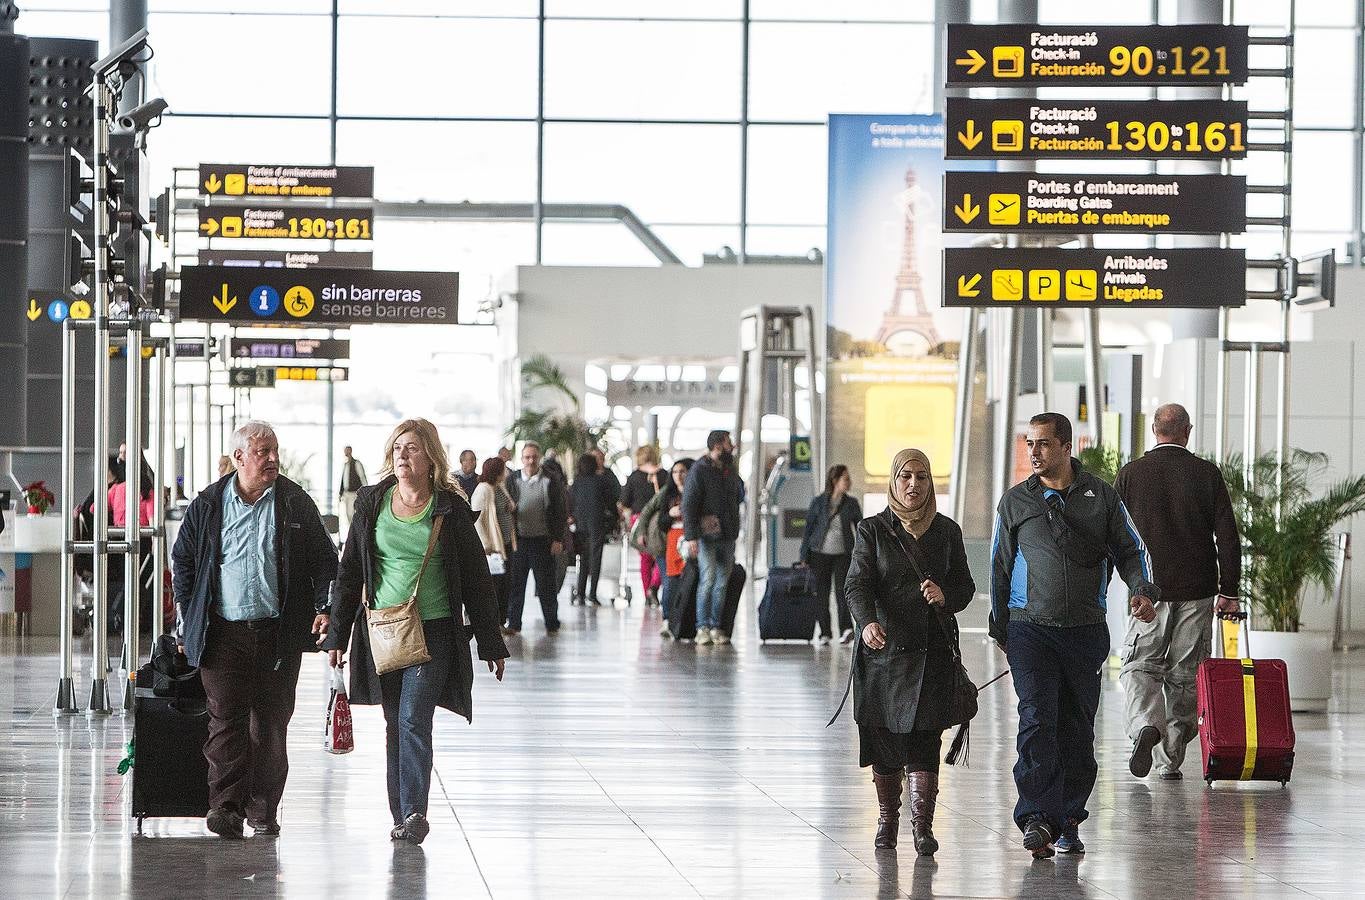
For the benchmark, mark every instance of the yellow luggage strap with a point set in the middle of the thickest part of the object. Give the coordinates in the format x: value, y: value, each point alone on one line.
x: 1249, y: 713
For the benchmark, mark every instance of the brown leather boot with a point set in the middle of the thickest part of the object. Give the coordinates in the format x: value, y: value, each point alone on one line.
x: 889, y: 805
x: 923, y: 794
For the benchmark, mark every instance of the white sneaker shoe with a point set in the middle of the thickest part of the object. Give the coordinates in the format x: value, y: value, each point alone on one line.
x: 703, y: 637
x: 719, y: 637
x: 823, y: 641
x: 847, y: 636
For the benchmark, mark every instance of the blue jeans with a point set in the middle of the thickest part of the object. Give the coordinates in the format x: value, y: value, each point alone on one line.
x: 715, y: 558
x: 410, y: 697
x: 1056, y: 675
x: 665, y: 586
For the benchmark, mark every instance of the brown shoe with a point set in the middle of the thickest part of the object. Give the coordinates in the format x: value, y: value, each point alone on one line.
x: 889, y: 809
x: 923, y: 794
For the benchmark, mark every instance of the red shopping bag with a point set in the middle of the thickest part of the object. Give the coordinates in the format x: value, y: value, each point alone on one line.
x: 338, y: 737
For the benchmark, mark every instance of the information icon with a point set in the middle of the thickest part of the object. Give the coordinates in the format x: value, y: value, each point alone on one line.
x: 264, y: 300
x: 298, y: 301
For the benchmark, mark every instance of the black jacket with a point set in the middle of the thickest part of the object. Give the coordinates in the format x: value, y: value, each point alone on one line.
x: 305, y: 557
x: 1181, y: 506
x: 593, y: 502
x: 467, y: 579
x: 818, y: 523
x: 557, y: 511
x: 1034, y: 580
x: 638, y: 491
x: 711, y: 490
x: 891, y: 684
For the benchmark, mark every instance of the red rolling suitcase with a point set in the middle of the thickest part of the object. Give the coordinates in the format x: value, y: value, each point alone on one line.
x: 1246, y: 731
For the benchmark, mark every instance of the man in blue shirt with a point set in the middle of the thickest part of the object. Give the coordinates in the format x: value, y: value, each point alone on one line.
x: 252, y: 569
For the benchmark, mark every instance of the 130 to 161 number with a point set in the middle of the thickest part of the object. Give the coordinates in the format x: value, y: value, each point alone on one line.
x: 356, y: 229
x: 1142, y: 60
x: 1155, y: 137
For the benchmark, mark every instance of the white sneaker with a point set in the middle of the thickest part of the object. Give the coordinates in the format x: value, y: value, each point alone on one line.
x: 663, y: 629
x: 703, y: 637
x: 847, y: 636
x: 719, y: 637
x: 823, y: 641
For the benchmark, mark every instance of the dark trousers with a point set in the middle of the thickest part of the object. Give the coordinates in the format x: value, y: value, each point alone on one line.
x: 533, y: 557
x: 502, y: 589
x: 589, y: 548
x: 410, y: 696
x: 831, y: 569
x: 1056, y: 675
x: 250, y: 704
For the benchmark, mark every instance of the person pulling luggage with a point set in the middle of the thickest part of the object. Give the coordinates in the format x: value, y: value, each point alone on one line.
x: 907, y: 582
x: 251, y: 571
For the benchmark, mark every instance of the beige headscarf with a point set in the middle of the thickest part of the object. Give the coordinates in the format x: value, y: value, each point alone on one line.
x: 915, y: 521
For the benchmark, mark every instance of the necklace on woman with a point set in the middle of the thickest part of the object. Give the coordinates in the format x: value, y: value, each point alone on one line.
x: 412, y: 509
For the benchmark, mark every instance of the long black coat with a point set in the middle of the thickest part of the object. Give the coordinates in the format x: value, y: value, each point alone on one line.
x: 467, y: 579
x: 890, y: 685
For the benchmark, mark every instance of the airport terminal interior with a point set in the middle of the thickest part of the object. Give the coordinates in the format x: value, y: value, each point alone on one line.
x: 717, y: 448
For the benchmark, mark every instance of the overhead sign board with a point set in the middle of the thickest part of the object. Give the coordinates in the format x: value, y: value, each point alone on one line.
x: 1107, y: 129
x: 320, y: 182
x: 1101, y: 55
x: 252, y: 378
x: 288, y: 259
x: 286, y: 222
x: 311, y: 349
x: 1182, y: 278
x: 318, y: 296
x: 1068, y: 204
x: 310, y: 373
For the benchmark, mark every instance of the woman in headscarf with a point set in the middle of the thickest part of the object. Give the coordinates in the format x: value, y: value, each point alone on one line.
x: 907, y: 581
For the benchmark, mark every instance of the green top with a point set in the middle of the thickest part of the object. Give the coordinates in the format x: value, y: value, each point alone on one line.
x: 401, y: 541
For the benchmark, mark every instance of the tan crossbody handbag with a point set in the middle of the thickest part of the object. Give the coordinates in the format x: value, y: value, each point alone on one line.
x: 396, y: 637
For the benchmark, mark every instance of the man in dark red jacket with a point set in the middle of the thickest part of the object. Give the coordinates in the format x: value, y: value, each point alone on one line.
x: 1182, y: 509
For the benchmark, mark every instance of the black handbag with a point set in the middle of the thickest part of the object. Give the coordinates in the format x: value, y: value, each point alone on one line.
x: 169, y: 673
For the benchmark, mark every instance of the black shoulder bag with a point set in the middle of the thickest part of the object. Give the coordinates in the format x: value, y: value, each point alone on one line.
x: 1079, y: 546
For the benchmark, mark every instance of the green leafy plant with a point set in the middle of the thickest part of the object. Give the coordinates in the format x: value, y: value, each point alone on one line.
x: 565, y: 432
x: 1102, y: 462
x: 1286, y: 531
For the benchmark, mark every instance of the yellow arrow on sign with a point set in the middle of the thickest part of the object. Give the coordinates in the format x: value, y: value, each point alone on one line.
x: 972, y: 62
x: 967, y: 287
x: 213, y: 184
x: 972, y: 137
x: 211, y: 226
x: 223, y: 303
x: 34, y: 311
x: 966, y: 211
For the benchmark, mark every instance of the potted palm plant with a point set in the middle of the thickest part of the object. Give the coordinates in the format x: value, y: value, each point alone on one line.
x: 1288, y: 547
x: 564, y: 431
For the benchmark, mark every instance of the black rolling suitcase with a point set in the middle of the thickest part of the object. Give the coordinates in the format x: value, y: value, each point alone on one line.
x: 734, y: 590
x: 170, y: 774
x: 789, y: 608
x: 683, y: 624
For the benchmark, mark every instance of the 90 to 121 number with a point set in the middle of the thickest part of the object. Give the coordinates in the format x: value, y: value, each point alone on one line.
x: 1141, y: 61
x: 1155, y: 137
x: 335, y: 229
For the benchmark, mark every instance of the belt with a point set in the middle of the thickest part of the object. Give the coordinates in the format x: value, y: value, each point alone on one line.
x: 253, y: 624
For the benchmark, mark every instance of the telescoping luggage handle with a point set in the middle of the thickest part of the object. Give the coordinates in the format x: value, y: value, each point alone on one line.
x: 1244, y: 633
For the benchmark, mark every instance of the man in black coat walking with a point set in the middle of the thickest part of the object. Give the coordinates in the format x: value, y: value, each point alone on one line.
x: 1181, y: 504
x: 252, y: 569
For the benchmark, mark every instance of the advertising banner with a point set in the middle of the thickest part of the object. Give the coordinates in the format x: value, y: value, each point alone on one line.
x: 891, y: 378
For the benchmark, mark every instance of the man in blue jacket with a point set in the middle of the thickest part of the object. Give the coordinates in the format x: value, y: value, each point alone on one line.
x: 252, y: 569
x: 1058, y: 537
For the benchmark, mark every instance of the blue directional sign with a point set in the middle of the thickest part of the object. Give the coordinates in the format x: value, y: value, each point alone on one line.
x: 57, y: 310
x: 264, y: 300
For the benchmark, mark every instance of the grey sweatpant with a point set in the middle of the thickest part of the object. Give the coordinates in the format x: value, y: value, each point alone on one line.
x: 1159, y: 663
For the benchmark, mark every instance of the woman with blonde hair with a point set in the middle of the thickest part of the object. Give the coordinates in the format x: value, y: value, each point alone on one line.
x: 413, y: 536
x: 907, y: 582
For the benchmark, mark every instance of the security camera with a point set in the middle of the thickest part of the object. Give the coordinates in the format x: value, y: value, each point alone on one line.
x: 125, y: 52
x: 141, y: 118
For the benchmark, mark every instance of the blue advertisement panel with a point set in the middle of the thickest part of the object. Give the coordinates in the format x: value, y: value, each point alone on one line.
x: 891, y: 377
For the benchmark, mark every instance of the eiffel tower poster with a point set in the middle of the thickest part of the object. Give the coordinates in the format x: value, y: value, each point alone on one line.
x: 907, y: 327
